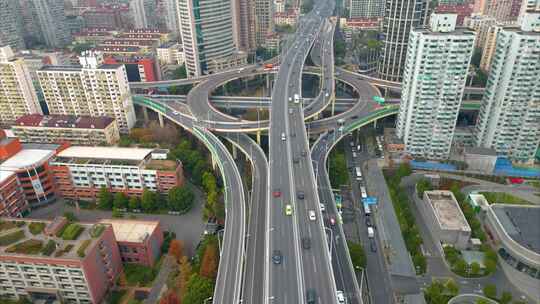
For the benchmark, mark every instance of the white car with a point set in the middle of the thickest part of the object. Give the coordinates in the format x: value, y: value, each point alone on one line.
x: 312, y: 216
x: 283, y: 136
x: 340, y: 297
x: 175, y: 113
x: 322, y: 207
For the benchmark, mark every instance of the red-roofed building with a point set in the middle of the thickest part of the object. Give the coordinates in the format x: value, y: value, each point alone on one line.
x: 138, y: 68
x: 462, y: 11
x: 77, y: 130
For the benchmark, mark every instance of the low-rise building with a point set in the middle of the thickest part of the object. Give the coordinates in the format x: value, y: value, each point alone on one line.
x: 515, y: 231
x: 29, y: 165
x: 77, y: 130
x: 72, y: 262
x: 480, y: 159
x: 444, y: 218
x: 80, y: 171
x: 138, y: 241
x: 170, y: 53
x: 138, y: 68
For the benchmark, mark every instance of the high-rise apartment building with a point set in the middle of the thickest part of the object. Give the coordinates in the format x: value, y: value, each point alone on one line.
x: 93, y: 89
x: 207, y: 33
x: 510, y: 110
x: 17, y: 93
x: 264, y: 20
x: 10, y: 24
x: 244, y: 24
x: 401, y: 16
x: 434, y: 79
x: 168, y: 9
x: 480, y: 24
x: 503, y: 10
x: 366, y: 8
x: 138, y: 13
x: 488, y: 49
x: 52, y: 23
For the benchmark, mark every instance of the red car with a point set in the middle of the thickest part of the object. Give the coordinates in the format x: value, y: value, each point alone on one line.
x: 276, y: 193
x: 332, y: 221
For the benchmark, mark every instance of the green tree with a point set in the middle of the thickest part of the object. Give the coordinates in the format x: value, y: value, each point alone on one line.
x: 134, y: 203
x: 198, y: 289
x: 422, y: 186
x: 506, y: 297
x: 70, y: 216
x: 180, y: 198
x: 180, y: 72
x: 490, y: 291
x: 117, y: 213
x: 120, y: 200
x: 149, y: 200
x: 404, y: 170
x: 452, y: 288
x: 482, y: 301
x: 491, y: 265
x: 358, y: 256
x: 105, y: 199
x: 475, y: 268
x: 419, y: 261
x: 460, y: 267
x: 209, y: 181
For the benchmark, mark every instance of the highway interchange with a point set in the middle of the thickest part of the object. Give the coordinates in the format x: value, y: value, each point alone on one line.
x: 257, y: 226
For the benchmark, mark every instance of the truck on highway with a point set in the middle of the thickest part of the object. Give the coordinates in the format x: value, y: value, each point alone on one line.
x: 370, y: 232
x: 296, y: 98
x: 268, y: 66
x: 363, y: 191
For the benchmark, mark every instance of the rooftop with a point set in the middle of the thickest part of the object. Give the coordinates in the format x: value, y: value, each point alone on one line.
x: 447, y: 210
x: 64, y: 121
x: 521, y: 223
x: 26, y: 158
x: 27, y: 237
x: 131, y: 230
x: 4, y: 175
x: 111, y: 153
x: 63, y: 68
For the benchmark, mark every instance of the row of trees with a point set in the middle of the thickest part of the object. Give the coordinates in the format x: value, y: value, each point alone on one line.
x: 151, y: 136
x: 468, y: 212
x: 407, y: 223
x: 194, y: 283
x: 200, y: 173
x: 178, y: 199
x: 338, y: 167
x: 357, y: 253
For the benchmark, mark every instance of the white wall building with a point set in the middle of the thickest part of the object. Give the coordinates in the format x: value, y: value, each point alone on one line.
x: 17, y: 93
x: 510, y: 111
x: 93, y: 89
x: 435, y: 73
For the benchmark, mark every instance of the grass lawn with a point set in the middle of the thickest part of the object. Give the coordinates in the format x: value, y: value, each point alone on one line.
x: 504, y: 198
x: 26, y: 247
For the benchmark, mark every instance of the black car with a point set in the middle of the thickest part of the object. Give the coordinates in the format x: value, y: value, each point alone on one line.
x: 311, y: 296
x: 373, y: 246
x: 277, y: 257
x: 306, y: 242
x: 300, y: 195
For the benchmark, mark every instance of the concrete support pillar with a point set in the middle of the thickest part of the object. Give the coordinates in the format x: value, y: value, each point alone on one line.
x: 234, y: 152
x: 214, y: 162
x: 259, y: 137
x: 161, y: 122
x: 145, y: 114
x: 375, y: 124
